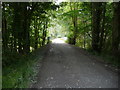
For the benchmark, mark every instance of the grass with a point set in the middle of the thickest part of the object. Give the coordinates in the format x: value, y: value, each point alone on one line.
x: 18, y: 70
x: 108, y: 58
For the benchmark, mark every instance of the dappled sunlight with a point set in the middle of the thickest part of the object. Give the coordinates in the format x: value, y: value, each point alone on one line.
x: 59, y: 40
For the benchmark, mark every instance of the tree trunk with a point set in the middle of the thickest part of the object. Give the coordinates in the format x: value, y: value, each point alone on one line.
x: 4, y: 33
x: 26, y: 35
x: 4, y: 30
x: 102, y: 25
x: 74, y: 20
x: 36, y: 34
x: 116, y: 29
x: 44, y: 33
x: 17, y: 27
x: 96, y: 12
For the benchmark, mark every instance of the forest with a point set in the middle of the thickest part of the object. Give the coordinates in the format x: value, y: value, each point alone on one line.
x: 28, y: 26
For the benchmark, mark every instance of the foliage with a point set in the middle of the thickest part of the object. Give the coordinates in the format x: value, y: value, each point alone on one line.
x: 24, y: 29
x: 19, y: 73
x: 27, y: 26
x: 92, y: 26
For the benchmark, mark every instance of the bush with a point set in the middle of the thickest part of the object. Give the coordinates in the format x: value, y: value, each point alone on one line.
x: 17, y: 70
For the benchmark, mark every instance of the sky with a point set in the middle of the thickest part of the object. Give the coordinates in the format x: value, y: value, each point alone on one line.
x: 59, y: 1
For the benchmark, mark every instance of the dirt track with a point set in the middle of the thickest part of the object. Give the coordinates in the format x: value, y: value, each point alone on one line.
x: 65, y: 66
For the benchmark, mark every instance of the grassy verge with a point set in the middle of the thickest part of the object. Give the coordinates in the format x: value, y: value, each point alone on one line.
x: 18, y: 70
x: 107, y: 58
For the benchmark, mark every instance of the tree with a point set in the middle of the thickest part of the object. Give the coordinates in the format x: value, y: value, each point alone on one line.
x: 116, y: 29
x: 74, y: 7
x: 102, y: 28
x: 96, y: 12
x: 4, y: 29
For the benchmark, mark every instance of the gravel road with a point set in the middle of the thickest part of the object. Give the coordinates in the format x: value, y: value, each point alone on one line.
x: 65, y: 66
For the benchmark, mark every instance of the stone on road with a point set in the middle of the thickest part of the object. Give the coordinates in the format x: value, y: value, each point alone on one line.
x: 64, y: 66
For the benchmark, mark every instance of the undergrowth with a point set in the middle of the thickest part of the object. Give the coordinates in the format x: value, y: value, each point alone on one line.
x: 17, y: 70
x: 107, y: 57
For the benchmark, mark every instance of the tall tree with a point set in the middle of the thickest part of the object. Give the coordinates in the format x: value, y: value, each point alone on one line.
x: 96, y: 12
x: 73, y: 8
x: 116, y: 28
x: 4, y: 29
x: 102, y: 28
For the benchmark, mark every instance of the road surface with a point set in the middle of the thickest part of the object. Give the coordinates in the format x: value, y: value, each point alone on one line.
x: 65, y: 66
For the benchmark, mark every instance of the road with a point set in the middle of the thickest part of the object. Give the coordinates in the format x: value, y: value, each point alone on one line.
x: 65, y: 66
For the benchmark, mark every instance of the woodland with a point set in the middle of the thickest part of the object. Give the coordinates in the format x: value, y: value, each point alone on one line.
x: 28, y: 26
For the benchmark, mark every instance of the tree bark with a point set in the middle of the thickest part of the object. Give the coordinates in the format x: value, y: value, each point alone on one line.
x: 102, y: 26
x: 36, y: 33
x: 44, y: 33
x: 74, y: 20
x: 116, y: 29
x: 4, y: 30
x: 96, y: 12
x: 26, y: 25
